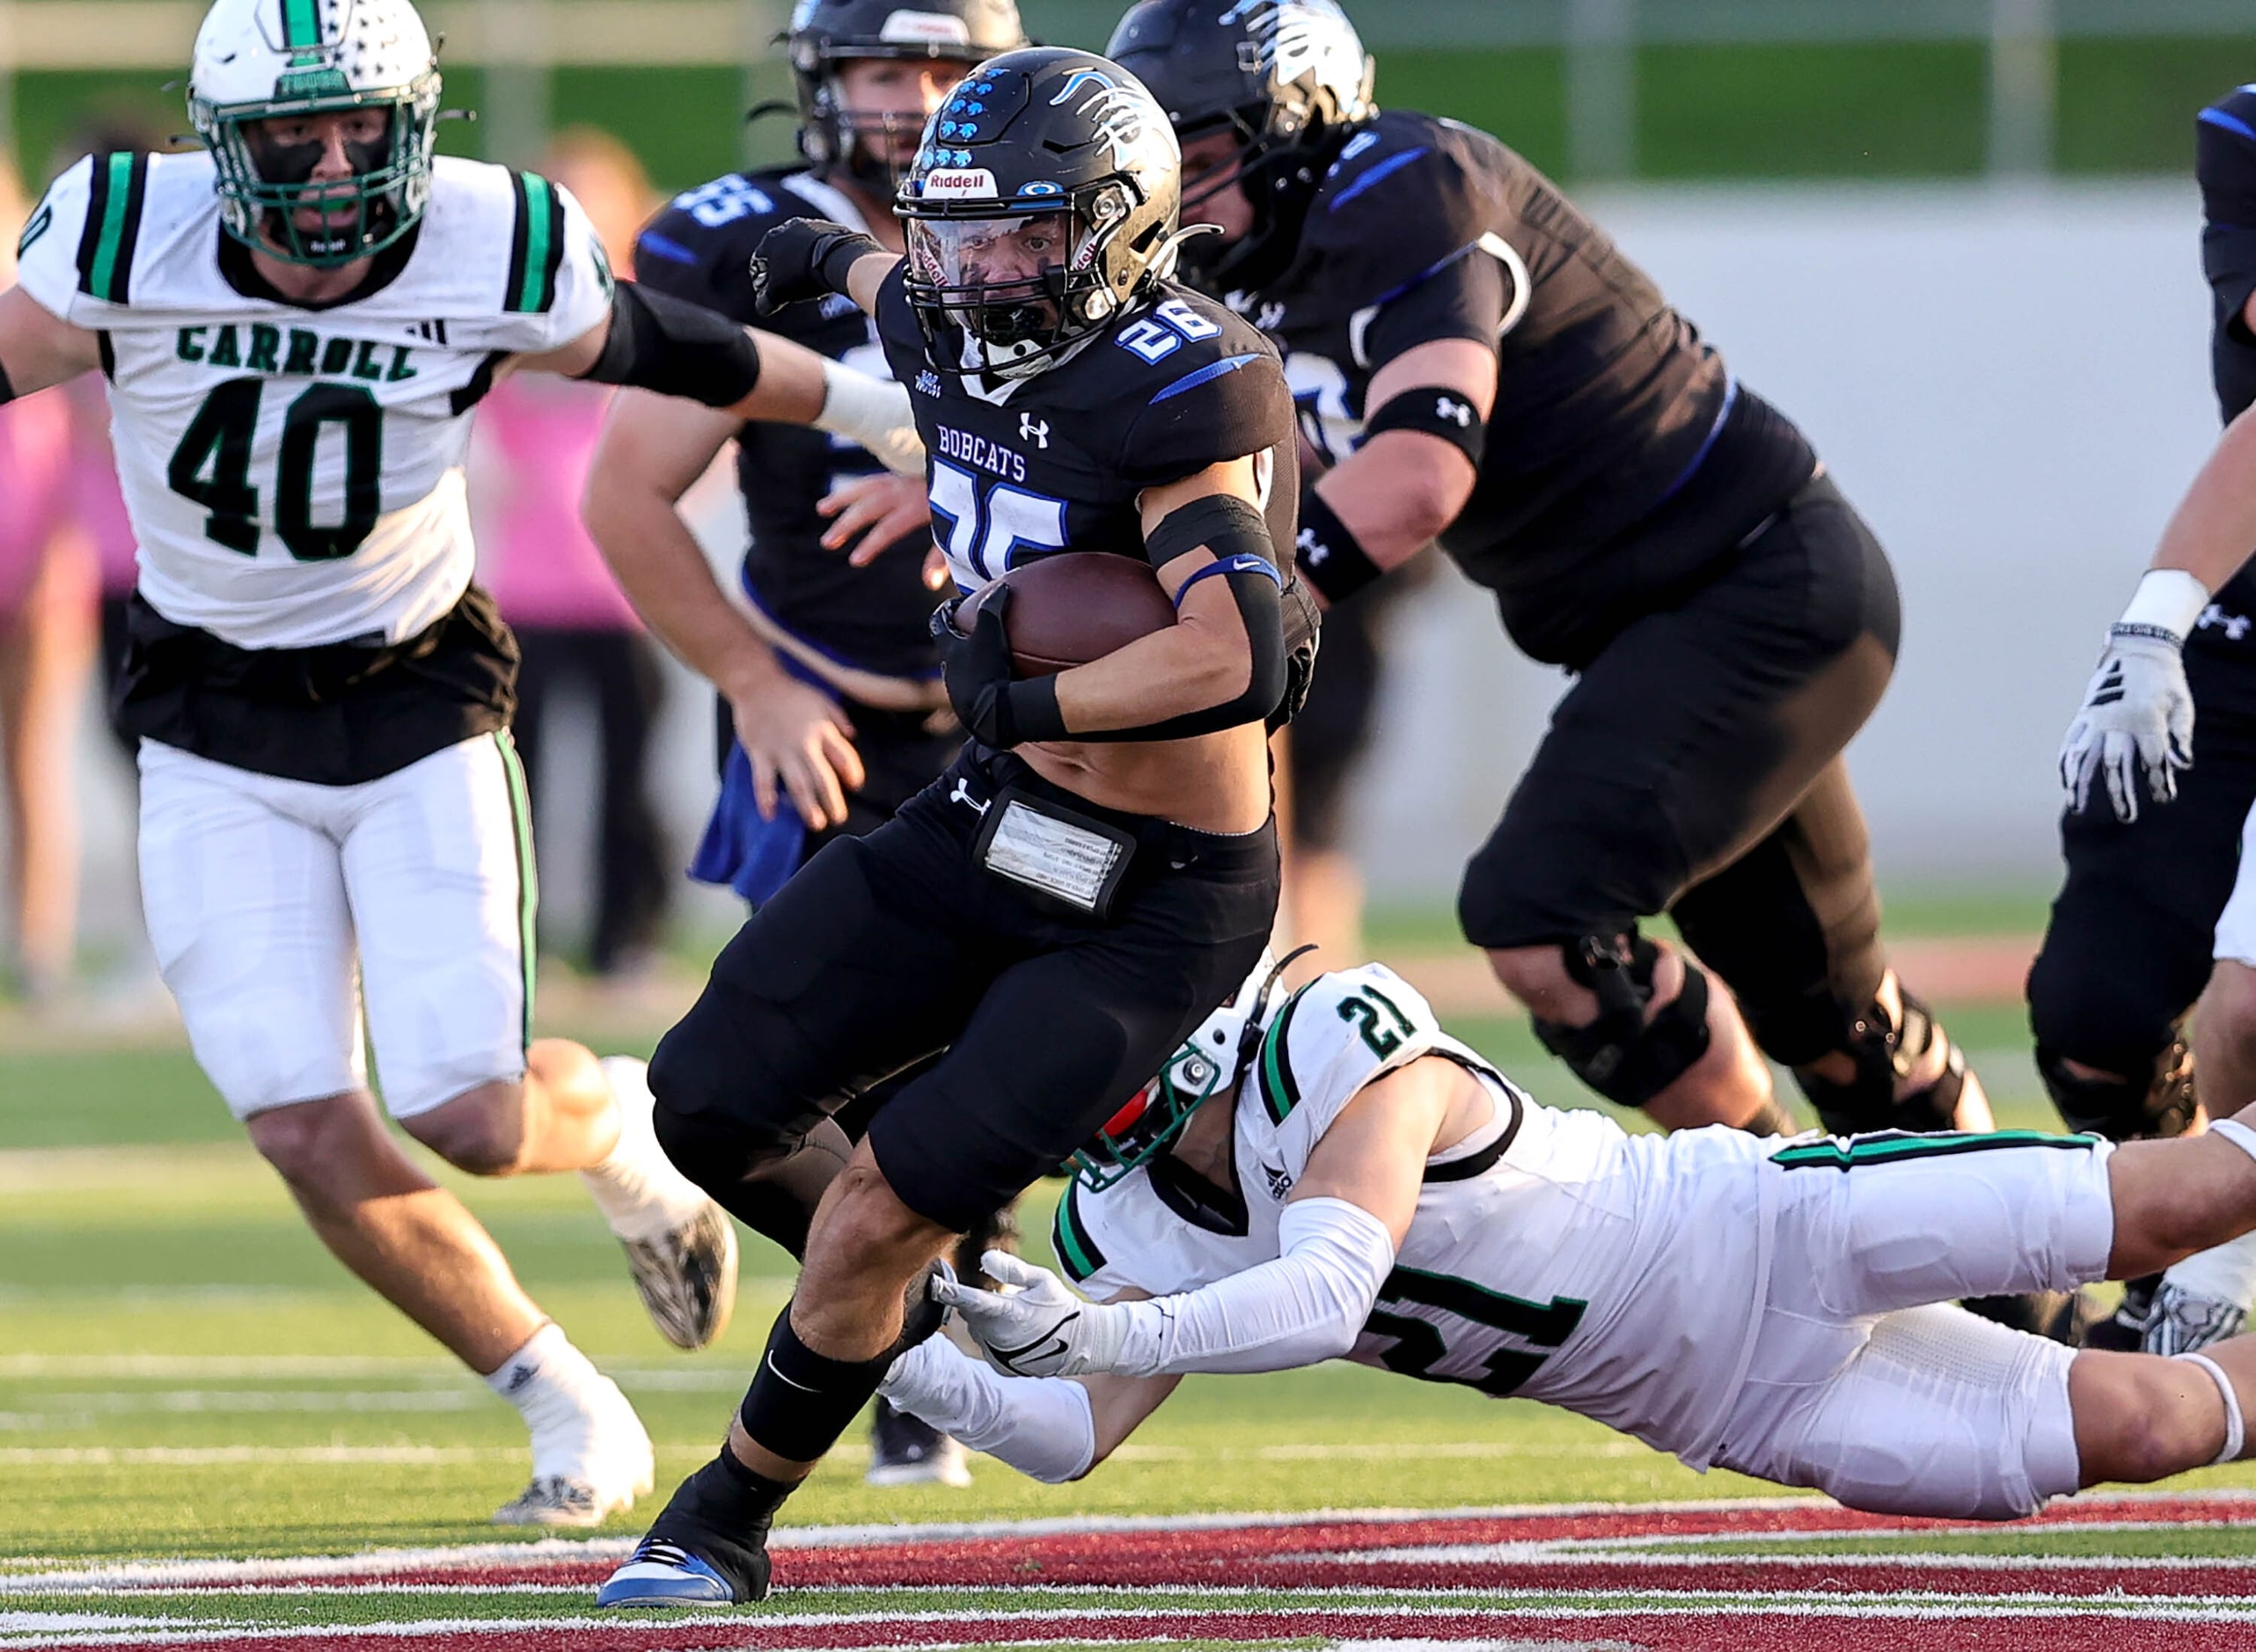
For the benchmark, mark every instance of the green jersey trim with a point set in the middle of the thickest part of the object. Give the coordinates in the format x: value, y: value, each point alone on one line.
x: 119, y: 185
x: 536, y: 245
x: 1900, y: 1147
x: 1077, y: 1252
x: 1280, y: 1090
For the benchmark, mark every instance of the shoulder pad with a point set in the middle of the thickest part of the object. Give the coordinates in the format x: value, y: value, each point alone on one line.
x: 1338, y: 1033
x: 2235, y: 113
x: 1219, y: 395
x: 1407, y: 195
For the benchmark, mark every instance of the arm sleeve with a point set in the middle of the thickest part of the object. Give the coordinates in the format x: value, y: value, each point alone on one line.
x: 46, y: 256
x: 1041, y: 1426
x: 1307, y: 1306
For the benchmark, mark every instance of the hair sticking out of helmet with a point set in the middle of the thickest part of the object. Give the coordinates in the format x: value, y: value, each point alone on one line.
x: 1285, y: 79
x: 1041, y: 204
x: 841, y: 127
x: 320, y: 117
x: 1205, y: 1065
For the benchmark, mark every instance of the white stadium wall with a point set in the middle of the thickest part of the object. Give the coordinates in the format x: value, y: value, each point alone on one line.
x: 2011, y: 382
x: 2011, y: 385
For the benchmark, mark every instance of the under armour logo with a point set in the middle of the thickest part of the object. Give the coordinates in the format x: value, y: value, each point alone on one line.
x: 2234, y: 626
x: 1034, y: 430
x: 927, y: 383
x: 962, y: 794
x: 1310, y: 549
x: 1457, y: 413
x: 1269, y: 318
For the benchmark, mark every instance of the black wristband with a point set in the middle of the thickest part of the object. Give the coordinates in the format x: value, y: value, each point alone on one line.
x: 1435, y: 410
x: 1031, y: 711
x: 837, y: 263
x: 1329, y: 556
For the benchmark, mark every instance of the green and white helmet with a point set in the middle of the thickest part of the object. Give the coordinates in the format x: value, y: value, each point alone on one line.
x: 256, y: 60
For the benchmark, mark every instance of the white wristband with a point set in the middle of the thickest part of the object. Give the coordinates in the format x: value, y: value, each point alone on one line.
x: 2169, y: 598
x: 2234, y: 1131
x: 873, y: 414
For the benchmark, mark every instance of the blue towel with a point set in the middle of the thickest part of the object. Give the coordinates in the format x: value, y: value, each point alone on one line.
x: 751, y: 855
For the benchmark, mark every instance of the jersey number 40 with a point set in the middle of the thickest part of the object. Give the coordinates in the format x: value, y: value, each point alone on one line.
x: 212, y: 466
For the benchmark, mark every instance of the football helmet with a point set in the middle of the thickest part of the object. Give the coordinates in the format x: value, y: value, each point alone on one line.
x: 1043, y: 201
x: 260, y: 59
x: 1204, y: 1065
x: 826, y: 33
x: 1286, y: 76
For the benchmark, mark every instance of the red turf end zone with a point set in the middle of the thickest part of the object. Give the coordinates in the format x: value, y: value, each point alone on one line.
x: 1498, y: 1574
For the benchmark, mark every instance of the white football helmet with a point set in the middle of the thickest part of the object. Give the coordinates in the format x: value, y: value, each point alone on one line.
x: 256, y: 60
x: 1204, y: 1065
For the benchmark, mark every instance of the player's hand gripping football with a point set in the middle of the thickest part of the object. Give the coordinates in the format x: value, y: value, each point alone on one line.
x: 1040, y: 1329
x: 804, y: 258
x: 995, y: 706
x: 2137, y: 717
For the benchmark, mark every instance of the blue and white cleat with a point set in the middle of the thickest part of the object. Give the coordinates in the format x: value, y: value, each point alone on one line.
x: 663, y: 1574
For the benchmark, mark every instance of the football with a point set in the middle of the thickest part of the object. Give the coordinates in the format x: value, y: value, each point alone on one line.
x: 1072, y: 608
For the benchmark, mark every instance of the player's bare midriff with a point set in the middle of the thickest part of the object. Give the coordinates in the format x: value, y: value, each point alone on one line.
x: 1211, y: 783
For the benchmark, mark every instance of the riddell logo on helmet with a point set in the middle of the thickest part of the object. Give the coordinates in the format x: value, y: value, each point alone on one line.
x: 924, y: 27
x: 965, y: 183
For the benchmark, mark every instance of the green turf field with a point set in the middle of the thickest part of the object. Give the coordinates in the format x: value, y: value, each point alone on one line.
x: 185, y: 1371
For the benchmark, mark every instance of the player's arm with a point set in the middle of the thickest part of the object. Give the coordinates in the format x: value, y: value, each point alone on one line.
x: 1337, y: 1239
x: 1386, y: 502
x: 651, y: 339
x: 2137, y: 717
x: 653, y: 448
x: 1220, y: 665
x: 38, y: 347
x: 812, y: 258
x: 1053, y: 1429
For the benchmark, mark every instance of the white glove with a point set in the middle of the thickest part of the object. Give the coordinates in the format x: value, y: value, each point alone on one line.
x: 1040, y: 1329
x: 2137, y: 715
x: 873, y: 414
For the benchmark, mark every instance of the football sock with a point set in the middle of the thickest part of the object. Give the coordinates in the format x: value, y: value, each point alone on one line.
x: 559, y: 1392
x: 642, y: 1195
x: 2236, y: 1434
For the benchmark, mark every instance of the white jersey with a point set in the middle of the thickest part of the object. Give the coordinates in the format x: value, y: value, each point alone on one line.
x: 294, y: 473
x: 1554, y: 1256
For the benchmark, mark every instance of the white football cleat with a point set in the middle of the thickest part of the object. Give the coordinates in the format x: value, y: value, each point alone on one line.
x: 681, y: 1247
x: 586, y: 1466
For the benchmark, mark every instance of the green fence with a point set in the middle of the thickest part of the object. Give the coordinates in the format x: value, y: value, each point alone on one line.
x: 1882, y: 109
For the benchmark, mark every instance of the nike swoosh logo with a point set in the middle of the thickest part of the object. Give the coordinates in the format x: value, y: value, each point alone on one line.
x: 786, y: 1381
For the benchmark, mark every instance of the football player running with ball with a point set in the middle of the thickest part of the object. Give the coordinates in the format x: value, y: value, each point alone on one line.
x: 1098, y: 870
x: 831, y: 707
x: 1477, y: 363
x: 1330, y: 1176
x: 296, y: 326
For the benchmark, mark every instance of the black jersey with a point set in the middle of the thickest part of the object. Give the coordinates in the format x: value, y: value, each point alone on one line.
x: 1054, y: 462
x: 873, y: 617
x: 1623, y: 461
x: 2226, y: 165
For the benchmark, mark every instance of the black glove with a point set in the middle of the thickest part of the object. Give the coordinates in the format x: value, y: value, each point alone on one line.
x: 804, y: 258
x: 996, y: 708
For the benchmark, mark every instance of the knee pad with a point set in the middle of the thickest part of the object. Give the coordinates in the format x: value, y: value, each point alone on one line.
x: 1622, y: 1055
x: 2156, y: 1103
x: 1885, y: 1052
